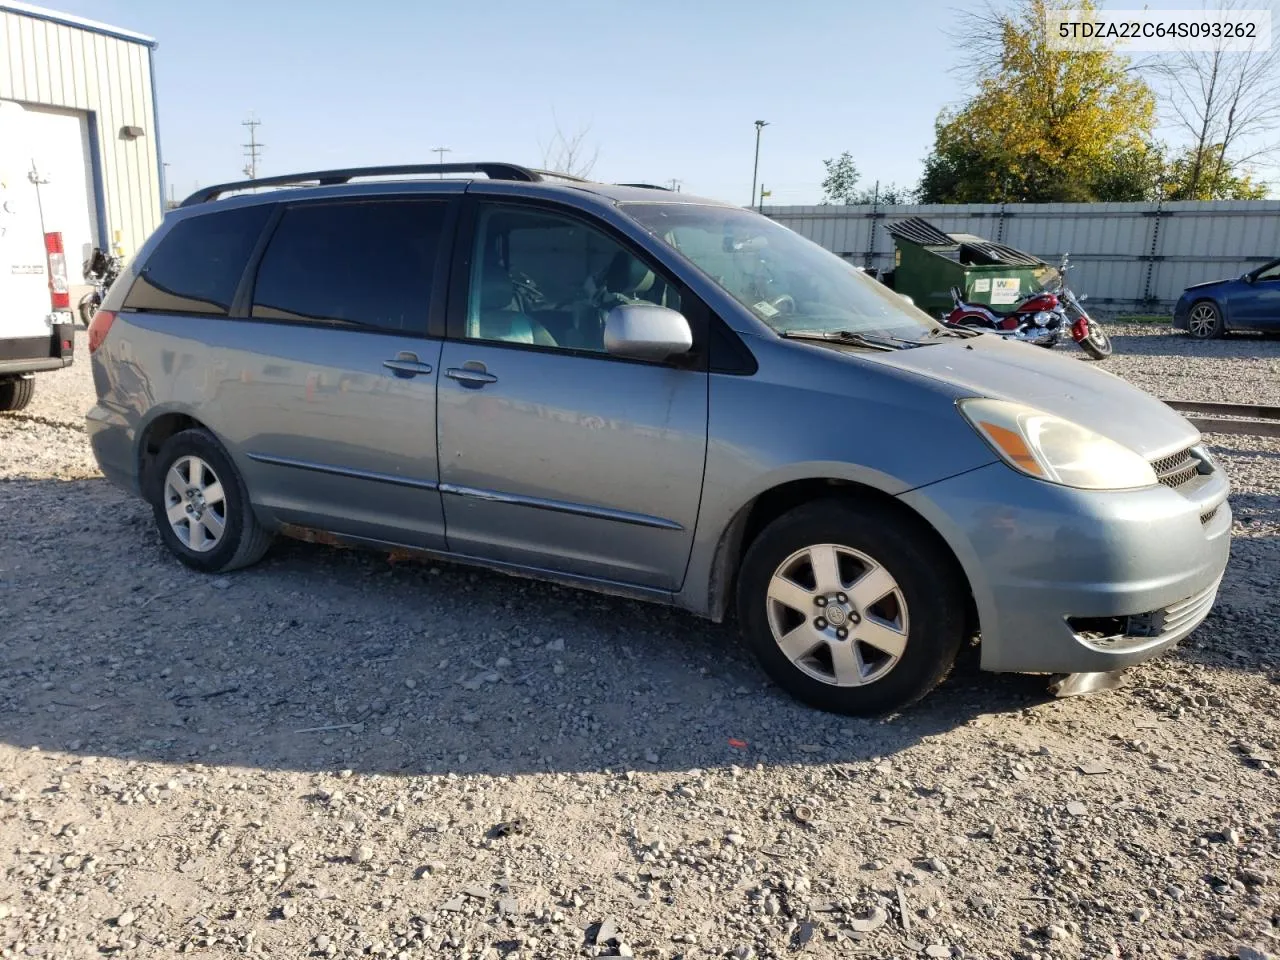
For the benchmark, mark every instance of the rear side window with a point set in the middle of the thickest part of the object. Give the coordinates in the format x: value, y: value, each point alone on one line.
x: 198, y: 264
x: 366, y: 265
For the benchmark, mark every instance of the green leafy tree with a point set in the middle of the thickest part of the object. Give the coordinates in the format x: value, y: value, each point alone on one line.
x: 1195, y: 174
x: 841, y: 182
x: 1042, y: 125
x: 886, y: 195
x: 840, y: 186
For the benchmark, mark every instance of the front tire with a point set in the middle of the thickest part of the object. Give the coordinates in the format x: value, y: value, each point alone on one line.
x: 16, y: 393
x: 1204, y: 322
x: 202, y: 507
x: 851, y: 610
x: 1097, y: 344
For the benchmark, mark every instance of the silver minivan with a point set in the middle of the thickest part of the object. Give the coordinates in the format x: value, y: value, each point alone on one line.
x: 648, y: 394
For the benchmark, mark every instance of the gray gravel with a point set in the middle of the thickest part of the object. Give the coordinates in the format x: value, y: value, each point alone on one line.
x: 335, y: 755
x: 1236, y: 369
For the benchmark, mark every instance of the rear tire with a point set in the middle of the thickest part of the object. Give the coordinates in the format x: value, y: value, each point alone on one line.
x: 202, y: 507
x: 1204, y: 321
x: 16, y: 393
x: 88, y: 307
x: 890, y: 640
x: 1097, y: 344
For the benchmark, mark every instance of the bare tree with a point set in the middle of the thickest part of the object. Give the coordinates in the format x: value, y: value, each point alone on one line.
x: 571, y: 154
x: 1227, y: 106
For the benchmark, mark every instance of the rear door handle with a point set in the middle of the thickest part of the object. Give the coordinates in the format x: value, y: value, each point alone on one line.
x: 471, y: 376
x: 407, y: 364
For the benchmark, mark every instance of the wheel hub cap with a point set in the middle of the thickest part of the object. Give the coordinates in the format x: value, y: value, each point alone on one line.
x: 195, y: 504
x: 1202, y: 321
x: 838, y: 615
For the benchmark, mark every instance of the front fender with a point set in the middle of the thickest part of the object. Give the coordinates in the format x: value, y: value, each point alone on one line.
x: 811, y: 413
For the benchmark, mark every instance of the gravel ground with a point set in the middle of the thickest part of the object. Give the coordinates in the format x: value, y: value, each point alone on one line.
x: 335, y: 755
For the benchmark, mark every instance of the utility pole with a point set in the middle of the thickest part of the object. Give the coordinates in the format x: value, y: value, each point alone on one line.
x: 440, y: 152
x: 252, y: 149
x: 763, y: 193
x: 165, y: 164
x: 760, y: 125
x: 674, y: 184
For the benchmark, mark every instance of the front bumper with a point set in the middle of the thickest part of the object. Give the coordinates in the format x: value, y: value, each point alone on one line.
x: 35, y: 354
x: 1074, y: 581
x: 1181, y: 310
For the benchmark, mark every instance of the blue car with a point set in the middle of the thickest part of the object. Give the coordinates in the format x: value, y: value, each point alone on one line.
x: 1248, y: 302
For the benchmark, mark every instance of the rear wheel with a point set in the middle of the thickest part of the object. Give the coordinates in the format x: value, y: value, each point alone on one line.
x: 202, y: 507
x: 1097, y: 344
x: 848, y: 609
x: 16, y: 392
x: 1204, y: 322
x: 88, y: 307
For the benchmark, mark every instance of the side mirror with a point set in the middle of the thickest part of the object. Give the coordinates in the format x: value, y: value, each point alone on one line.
x: 1247, y: 277
x: 645, y: 331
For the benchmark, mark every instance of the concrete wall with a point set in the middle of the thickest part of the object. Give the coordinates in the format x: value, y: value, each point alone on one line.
x: 106, y: 73
x: 1127, y: 255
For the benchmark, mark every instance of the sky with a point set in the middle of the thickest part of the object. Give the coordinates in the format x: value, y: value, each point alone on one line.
x: 662, y: 89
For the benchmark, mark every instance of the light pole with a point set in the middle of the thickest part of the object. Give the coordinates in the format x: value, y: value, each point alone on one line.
x: 755, y: 170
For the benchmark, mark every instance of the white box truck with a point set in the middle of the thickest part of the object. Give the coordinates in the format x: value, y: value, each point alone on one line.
x: 36, y: 326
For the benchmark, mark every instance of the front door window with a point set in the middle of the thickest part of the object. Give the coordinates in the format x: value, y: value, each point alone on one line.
x: 549, y: 281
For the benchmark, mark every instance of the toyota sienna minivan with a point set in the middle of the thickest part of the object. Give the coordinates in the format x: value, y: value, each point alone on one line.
x: 644, y: 393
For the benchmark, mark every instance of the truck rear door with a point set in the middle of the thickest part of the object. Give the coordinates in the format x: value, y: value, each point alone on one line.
x: 24, y: 280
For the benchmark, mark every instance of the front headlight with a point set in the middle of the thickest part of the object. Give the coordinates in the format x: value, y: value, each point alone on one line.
x: 1051, y: 448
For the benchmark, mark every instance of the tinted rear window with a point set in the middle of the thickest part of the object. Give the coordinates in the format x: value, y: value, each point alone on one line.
x: 367, y: 264
x: 198, y: 263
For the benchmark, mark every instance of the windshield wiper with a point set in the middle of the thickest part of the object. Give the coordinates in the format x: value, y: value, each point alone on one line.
x: 848, y: 336
x: 954, y: 332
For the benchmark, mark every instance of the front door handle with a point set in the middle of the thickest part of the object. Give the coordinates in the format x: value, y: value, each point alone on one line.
x: 471, y: 376
x: 407, y: 364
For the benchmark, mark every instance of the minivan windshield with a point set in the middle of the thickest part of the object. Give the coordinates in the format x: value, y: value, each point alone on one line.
x: 790, y: 283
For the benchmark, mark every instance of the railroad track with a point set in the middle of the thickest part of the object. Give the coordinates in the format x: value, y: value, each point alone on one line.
x: 1249, y: 419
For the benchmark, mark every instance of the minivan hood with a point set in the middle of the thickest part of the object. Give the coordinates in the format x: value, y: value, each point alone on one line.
x: 989, y: 366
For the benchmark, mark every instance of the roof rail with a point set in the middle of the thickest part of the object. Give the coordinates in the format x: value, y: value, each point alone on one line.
x: 494, y: 171
x: 571, y: 177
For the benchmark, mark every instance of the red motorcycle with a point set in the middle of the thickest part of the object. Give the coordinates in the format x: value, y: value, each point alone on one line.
x: 1038, y: 318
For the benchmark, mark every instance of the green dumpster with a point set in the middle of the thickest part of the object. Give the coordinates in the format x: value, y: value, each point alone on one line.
x: 927, y: 263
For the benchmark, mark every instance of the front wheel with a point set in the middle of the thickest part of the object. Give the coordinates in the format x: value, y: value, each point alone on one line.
x: 1097, y: 344
x: 849, y: 609
x: 1204, y: 322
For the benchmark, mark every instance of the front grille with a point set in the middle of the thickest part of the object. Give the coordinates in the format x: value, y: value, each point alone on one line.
x: 1118, y: 634
x: 1177, y: 469
x: 1209, y: 515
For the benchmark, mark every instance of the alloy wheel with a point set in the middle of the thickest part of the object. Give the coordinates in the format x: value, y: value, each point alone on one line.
x: 195, y: 503
x: 838, y: 615
x: 1202, y: 321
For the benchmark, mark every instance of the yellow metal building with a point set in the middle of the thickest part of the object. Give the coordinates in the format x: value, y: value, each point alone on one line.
x: 89, y: 95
